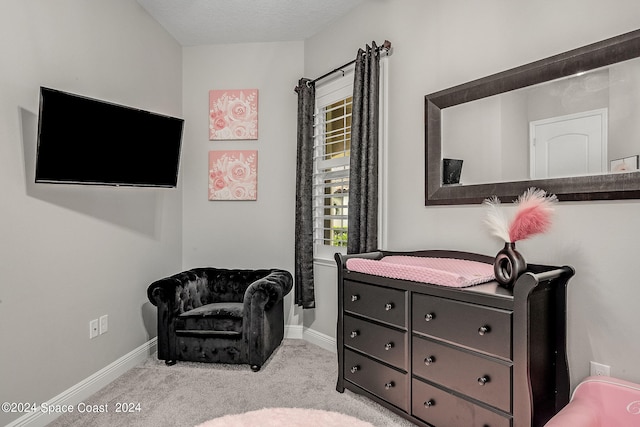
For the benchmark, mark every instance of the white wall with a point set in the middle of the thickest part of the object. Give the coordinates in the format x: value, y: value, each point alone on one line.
x: 242, y: 234
x: 442, y: 43
x: 69, y: 254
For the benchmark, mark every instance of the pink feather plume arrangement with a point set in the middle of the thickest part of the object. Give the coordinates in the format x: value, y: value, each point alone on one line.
x: 533, y: 215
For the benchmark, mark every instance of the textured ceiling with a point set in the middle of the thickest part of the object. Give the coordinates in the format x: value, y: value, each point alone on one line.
x: 199, y: 22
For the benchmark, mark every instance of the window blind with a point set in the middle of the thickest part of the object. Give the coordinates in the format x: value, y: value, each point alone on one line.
x: 332, y: 143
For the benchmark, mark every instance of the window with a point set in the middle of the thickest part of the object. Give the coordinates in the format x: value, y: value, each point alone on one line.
x: 332, y: 143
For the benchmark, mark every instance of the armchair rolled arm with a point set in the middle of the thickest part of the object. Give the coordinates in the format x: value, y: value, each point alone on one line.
x: 164, y: 295
x: 164, y: 290
x: 272, y: 288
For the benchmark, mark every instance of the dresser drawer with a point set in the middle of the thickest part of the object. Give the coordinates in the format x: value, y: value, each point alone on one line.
x: 442, y: 409
x: 480, y: 377
x: 383, y: 381
x: 384, y: 304
x: 378, y: 341
x: 478, y: 327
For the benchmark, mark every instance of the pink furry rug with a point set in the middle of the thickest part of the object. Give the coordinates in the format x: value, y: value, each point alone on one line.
x: 289, y: 417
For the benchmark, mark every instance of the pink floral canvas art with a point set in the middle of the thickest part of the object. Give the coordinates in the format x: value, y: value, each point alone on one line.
x: 233, y: 114
x: 233, y: 175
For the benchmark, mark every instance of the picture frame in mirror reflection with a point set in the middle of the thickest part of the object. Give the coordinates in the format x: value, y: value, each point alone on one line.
x: 625, y: 164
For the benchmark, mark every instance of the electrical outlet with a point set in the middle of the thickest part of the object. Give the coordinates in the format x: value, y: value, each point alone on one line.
x: 93, y: 328
x: 598, y: 369
x: 104, y: 324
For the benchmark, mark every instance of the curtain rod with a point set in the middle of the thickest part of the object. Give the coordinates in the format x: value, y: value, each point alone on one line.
x: 386, y: 46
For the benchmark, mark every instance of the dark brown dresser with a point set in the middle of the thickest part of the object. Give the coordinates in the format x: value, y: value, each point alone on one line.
x: 455, y: 357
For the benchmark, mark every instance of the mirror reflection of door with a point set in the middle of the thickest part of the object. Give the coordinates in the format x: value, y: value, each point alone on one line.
x: 571, y: 145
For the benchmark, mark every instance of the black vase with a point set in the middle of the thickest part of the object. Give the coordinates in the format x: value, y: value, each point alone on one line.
x: 509, y: 264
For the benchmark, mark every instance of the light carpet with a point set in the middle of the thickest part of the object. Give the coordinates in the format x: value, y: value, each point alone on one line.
x: 289, y: 417
x: 297, y: 375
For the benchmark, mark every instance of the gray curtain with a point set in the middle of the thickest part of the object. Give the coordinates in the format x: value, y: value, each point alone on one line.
x: 363, y: 169
x: 304, y: 289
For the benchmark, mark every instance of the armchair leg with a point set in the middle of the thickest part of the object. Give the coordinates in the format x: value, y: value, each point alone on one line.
x: 169, y: 362
x: 255, y: 368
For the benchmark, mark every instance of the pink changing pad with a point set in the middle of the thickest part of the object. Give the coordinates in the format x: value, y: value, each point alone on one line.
x: 458, y: 273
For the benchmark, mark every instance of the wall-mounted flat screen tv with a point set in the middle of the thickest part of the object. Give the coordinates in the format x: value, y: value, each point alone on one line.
x: 87, y: 141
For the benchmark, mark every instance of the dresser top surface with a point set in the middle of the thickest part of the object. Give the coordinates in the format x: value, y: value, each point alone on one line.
x: 489, y: 291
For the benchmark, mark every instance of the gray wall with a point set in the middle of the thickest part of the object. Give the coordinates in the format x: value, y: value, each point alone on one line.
x: 442, y: 43
x: 69, y: 254
x: 242, y: 234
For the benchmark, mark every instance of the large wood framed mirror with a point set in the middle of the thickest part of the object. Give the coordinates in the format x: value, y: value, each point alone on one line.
x: 569, y: 124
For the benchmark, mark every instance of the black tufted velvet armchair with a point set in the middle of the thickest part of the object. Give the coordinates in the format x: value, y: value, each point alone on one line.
x: 220, y: 315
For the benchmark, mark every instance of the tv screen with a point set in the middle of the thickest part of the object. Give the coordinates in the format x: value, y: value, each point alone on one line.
x: 88, y: 141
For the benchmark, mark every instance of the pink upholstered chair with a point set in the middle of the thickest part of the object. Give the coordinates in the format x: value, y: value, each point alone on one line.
x: 601, y: 402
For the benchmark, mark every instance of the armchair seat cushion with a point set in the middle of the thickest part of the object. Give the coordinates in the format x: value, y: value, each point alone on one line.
x: 225, y: 309
x: 219, y: 318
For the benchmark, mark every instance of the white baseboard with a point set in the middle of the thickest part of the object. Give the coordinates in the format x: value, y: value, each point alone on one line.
x: 299, y: 332
x: 293, y: 332
x: 88, y: 386
x: 321, y: 340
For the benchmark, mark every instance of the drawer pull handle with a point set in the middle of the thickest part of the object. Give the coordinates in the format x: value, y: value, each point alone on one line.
x: 485, y: 329
x: 389, y: 385
x: 354, y: 334
x: 355, y: 298
x: 429, y: 403
x: 429, y: 360
x: 429, y: 317
x: 483, y: 380
x: 355, y: 369
x: 388, y: 346
x: 388, y: 306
